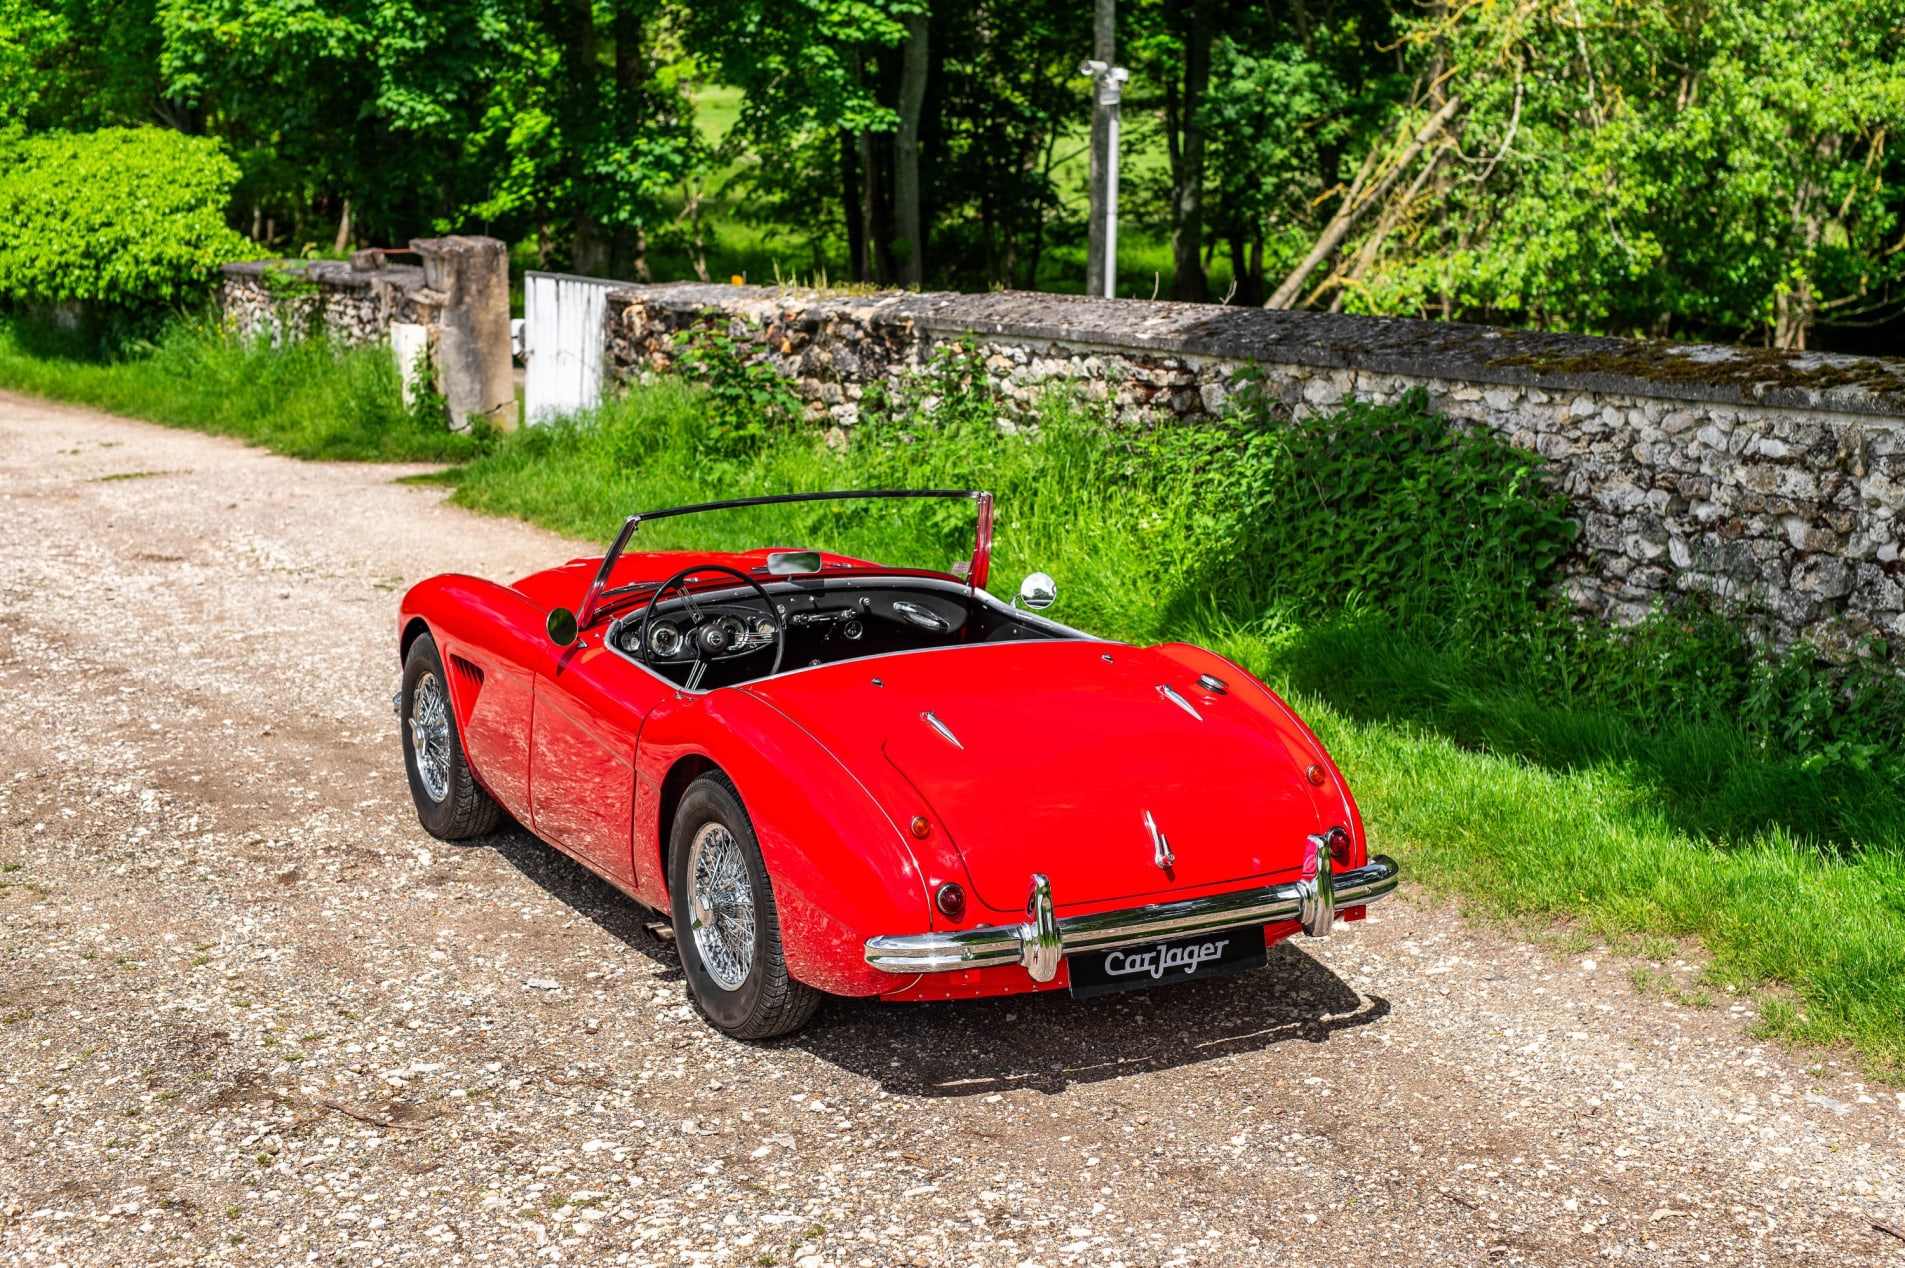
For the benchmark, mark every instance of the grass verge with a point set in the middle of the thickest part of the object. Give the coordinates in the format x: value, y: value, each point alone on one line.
x: 312, y: 399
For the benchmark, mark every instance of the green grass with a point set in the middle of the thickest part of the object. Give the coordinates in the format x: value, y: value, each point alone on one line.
x: 309, y: 400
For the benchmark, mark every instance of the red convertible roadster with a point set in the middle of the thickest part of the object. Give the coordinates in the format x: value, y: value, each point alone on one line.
x: 844, y: 778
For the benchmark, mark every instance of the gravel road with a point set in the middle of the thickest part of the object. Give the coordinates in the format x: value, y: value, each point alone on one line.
x: 249, y: 1012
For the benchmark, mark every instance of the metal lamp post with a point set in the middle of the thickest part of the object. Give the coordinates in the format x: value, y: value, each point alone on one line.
x: 1109, y: 81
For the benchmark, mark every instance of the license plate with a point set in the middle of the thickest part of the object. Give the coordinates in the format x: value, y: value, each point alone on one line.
x: 1162, y: 963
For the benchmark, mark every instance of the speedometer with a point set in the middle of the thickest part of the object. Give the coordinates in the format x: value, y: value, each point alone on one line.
x: 664, y: 640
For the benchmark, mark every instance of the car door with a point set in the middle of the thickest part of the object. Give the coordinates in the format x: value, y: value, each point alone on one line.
x: 590, y: 704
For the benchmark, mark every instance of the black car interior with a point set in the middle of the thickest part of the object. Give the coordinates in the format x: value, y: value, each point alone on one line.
x: 701, y: 638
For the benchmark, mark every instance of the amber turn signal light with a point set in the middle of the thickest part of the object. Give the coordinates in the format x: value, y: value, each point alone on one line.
x: 951, y: 901
x: 1316, y: 774
x: 920, y: 827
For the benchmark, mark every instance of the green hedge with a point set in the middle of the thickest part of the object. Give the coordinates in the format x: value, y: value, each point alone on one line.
x: 125, y: 218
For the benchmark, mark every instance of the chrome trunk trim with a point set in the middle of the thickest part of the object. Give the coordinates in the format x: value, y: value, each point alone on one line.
x: 1314, y: 900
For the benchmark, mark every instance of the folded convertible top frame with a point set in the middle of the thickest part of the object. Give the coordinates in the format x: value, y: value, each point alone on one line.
x: 975, y: 574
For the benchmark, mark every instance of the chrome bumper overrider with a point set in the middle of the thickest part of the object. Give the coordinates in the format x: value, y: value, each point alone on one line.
x: 1044, y: 939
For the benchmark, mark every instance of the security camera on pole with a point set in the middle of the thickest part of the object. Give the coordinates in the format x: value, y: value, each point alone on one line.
x: 1102, y: 254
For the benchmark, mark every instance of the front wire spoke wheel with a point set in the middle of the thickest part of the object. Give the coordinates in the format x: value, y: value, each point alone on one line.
x: 721, y: 905
x: 430, y: 736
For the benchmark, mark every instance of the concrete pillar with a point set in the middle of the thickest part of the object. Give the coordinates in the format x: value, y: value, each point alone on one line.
x: 472, y: 276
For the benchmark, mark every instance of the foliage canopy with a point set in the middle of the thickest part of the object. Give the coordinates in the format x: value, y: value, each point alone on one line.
x: 122, y: 217
x: 1688, y: 168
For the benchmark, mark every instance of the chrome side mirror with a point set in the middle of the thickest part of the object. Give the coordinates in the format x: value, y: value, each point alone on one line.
x: 562, y: 627
x: 1037, y: 592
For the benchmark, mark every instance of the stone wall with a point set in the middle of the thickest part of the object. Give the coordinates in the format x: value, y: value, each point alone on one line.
x: 447, y: 318
x: 355, y: 302
x: 1772, y: 480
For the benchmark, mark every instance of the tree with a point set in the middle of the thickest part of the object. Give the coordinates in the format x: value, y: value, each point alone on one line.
x: 1258, y: 105
x: 1707, y: 167
x: 1009, y: 101
x: 821, y: 80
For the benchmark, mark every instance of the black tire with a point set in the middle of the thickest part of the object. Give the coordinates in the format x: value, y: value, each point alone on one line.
x: 767, y: 1002
x: 464, y: 810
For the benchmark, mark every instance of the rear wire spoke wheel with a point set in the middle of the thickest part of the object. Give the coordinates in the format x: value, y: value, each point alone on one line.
x: 726, y: 924
x: 450, y: 804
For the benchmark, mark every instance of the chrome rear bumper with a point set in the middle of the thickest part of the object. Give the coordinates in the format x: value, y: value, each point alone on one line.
x: 1044, y: 939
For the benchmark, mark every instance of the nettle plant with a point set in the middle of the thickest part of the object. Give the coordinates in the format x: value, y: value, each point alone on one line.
x: 749, y: 403
x: 1384, y: 507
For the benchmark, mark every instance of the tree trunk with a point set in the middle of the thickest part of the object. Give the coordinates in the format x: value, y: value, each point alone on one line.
x: 872, y: 212
x: 1793, y: 313
x: 909, y: 243
x: 590, y: 250
x: 1187, y: 172
x: 1366, y: 255
x: 590, y: 247
x: 630, y: 70
x: 850, y: 207
x: 691, y: 208
x: 1354, y: 205
x: 343, y: 229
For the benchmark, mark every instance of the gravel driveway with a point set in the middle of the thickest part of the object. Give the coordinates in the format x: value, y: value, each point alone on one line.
x: 249, y: 1012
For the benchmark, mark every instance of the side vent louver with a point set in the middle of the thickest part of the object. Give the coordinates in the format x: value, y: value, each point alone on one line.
x: 469, y: 672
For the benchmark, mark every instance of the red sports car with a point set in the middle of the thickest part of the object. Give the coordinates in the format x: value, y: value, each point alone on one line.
x: 844, y: 778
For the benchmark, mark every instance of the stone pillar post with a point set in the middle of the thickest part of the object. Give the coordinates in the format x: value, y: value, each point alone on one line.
x: 472, y: 275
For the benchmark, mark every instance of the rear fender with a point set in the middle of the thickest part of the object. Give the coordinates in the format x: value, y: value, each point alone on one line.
x: 841, y: 868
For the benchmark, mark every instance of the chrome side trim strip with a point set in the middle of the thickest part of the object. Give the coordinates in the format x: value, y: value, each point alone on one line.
x: 1314, y: 900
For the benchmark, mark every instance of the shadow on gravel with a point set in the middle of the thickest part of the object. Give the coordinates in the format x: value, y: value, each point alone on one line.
x: 1050, y: 1041
x: 1046, y: 1042
x: 584, y: 893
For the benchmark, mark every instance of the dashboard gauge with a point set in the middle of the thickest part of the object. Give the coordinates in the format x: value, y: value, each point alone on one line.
x: 764, y: 630
x: 664, y: 640
x: 735, y: 629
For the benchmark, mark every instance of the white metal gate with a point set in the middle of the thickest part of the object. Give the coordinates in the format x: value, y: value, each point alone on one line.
x: 563, y: 320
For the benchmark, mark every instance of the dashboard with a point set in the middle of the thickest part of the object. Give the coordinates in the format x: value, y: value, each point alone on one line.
x: 723, y: 637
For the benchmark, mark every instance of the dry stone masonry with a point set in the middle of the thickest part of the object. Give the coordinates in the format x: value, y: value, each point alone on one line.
x: 448, y: 316
x: 1771, y: 480
x: 355, y: 302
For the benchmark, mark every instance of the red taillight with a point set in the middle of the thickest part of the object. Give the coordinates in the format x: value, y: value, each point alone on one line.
x: 951, y: 900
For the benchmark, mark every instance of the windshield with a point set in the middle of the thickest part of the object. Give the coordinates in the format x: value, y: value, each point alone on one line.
x: 938, y: 530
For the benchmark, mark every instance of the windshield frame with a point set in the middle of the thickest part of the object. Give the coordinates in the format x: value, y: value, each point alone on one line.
x: 976, y: 570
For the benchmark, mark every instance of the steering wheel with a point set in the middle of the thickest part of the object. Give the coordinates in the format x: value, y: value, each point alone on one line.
x: 708, y: 637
